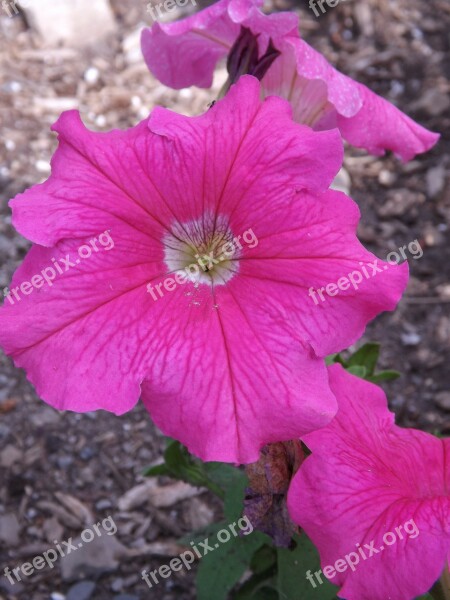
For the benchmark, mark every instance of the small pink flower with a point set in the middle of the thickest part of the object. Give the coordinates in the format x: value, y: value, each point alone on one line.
x: 186, y: 52
x: 231, y: 360
x: 375, y: 493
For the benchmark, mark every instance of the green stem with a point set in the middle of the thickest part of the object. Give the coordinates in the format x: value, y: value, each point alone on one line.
x: 215, y: 489
x: 224, y: 90
x: 441, y: 591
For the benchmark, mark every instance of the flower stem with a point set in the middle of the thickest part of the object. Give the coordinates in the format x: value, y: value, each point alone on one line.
x: 441, y: 591
x: 224, y: 90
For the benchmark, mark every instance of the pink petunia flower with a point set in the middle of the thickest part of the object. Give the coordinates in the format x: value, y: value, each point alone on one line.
x: 186, y: 52
x: 374, y: 498
x: 226, y: 360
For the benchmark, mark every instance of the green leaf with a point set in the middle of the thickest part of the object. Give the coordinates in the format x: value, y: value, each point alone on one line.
x: 363, y: 364
x: 264, y: 559
x: 367, y: 356
x: 157, y: 470
x: 219, y: 571
x: 384, y: 376
x: 330, y: 360
x: 257, y: 588
x: 179, y: 464
x: 261, y: 586
x: 358, y: 370
x: 222, y: 569
x: 233, y: 482
x: 293, y: 566
x: 335, y: 358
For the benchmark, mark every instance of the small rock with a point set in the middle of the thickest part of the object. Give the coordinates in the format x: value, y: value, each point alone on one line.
x: 4, y: 431
x: 9, y: 529
x: 411, y: 339
x: 342, y: 182
x: 131, y: 45
x: 364, y: 17
x: 115, y: 99
x: 131, y: 580
x: 101, y: 555
x: 45, y: 416
x: 430, y: 418
x: 58, y: 511
x: 442, y: 399
x: 57, y: 596
x: 100, y: 121
x: 34, y: 532
x: 443, y: 330
x: 4, y: 380
x: 81, y: 591
x: 13, y: 87
x: 387, y: 178
x: 7, y: 404
x: 157, y: 495
x: 64, y: 461
x: 199, y: 514
x: 87, y: 453
x: 55, y: 105
x: 435, y: 181
x: 443, y: 290
x: 117, y: 585
x: 10, y: 455
x: 432, y: 236
x: 43, y: 166
x: 73, y: 23
x: 400, y: 202
x: 31, y: 513
x: 414, y: 166
x: 76, y: 507
x: 86, y: 475
x: 103, y: 504
x: 434, y: 102
x: 52, y: 529
x: 91, y: 76
x: 136, y: 496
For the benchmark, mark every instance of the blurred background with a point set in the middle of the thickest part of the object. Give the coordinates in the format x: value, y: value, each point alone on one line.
x: 61, y: 471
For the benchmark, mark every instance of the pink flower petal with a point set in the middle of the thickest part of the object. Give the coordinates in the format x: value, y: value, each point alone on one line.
x: 380, y: 126
x: 307, y: 66
x: 306, y: 253
x: 82, y: 337
x: 233, y: 376
x: 371, y: 481
x: 92, y: 186
x: 243, y: 156
x: 219, y: 356
x: 324, y: 98
x: 186, y: 52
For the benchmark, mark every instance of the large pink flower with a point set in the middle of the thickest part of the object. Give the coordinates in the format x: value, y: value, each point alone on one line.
x: 185, y: 53
x: 374, y: 498
x: 230, y: 360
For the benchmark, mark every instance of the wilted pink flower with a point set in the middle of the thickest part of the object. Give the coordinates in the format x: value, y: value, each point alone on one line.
x: 225, y: 362
x: 185, y: 53
x: 374, y: 498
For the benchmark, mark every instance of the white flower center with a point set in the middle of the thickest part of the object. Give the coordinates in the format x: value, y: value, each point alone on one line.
x: 202, y: 250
